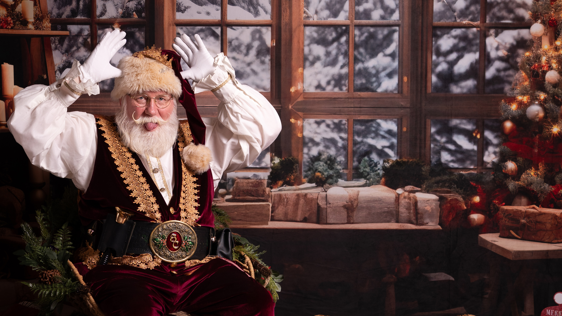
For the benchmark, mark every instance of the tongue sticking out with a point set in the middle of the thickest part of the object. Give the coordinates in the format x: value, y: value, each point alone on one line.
x: 150, y: 126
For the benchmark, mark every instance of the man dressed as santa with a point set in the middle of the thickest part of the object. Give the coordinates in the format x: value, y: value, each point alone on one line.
x: 147, y: 180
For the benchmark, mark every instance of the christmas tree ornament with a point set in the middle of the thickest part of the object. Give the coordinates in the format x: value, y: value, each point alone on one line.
x: 476, y: 219
x: 535, y: 112
x: 552, y: 77
x: 508, y: 127
x: 545, y: 67
x: 552, y: 22
x: 510, y: 168
x: 537, y: 29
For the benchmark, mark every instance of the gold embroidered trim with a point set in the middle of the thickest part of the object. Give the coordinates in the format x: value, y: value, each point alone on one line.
x: 188, y: 198
x: 143, y: 261
x: 89, y: 256
x: 132, y: 176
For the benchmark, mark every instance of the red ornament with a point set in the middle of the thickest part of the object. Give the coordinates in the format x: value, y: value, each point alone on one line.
x: 545, y: 67
x: 174, y: 241
x: 536, y: 67
x: 6, y: 23
x: 552, y: 22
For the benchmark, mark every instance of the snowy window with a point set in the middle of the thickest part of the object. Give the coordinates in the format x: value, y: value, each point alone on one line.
x: 465, y: 143
x: 373, y: 138
x: 235, y: 33
x: 465, y: 30
x: 376, y: 139
x: 82, y: 39
x: 454, y: 143
x: 350, y: 53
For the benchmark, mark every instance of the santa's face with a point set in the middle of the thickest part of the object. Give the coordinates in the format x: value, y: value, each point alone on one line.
x: 155, y: 105
x: 148, y: 123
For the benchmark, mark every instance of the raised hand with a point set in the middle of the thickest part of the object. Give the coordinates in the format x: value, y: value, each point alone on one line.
x: 97, y: 65
x: 195, y: 55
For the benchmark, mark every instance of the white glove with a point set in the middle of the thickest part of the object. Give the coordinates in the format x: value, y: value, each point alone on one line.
x: 197, y: 57
x: 97, y: 65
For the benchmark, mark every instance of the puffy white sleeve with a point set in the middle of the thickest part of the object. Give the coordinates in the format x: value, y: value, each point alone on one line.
x: 61, y: 142
x: 246, y: 124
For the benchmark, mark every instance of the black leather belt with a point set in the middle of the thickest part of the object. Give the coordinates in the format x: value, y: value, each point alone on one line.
x: 171, y: 241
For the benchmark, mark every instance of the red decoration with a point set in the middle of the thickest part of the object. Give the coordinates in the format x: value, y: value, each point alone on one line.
x: 174, y: 242
x: 536, y: 67
x: 535, y: 149
x: 552, y: 22
x: 6, y: 23
x: 553, y: 197
x: 545, y: 67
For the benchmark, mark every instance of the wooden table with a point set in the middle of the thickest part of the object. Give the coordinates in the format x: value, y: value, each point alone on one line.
x: 514, y: 249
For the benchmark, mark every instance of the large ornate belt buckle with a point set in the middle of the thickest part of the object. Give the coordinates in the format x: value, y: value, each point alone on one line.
x: 173, y: 241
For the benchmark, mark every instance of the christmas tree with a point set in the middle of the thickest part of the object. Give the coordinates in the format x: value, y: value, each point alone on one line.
x: 528, y: 171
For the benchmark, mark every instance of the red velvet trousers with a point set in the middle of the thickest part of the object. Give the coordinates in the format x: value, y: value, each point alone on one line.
x: 215, y: 288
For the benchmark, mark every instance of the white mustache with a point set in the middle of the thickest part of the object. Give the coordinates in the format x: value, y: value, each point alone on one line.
x: 143, y: 120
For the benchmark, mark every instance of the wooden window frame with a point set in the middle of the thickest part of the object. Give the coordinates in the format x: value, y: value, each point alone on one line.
x: 479, y: 105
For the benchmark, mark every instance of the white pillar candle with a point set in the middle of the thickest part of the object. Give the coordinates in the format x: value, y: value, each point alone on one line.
x: 27, y: 10
x: 17, y: 89
x: 2, y: 113
x: 7, y: 81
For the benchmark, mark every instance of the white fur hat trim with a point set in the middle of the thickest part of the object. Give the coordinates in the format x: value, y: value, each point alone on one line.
x: 197, y: 157
x: 145, y: 74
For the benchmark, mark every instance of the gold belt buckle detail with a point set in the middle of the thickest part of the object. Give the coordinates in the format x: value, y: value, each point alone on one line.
x: 173, y: 241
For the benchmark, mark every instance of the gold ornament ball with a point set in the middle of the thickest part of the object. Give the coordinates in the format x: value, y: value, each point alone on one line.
x: 508, y: 127
x: 510, y: 168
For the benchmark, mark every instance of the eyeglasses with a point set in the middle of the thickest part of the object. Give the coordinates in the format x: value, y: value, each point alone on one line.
x: 141, y: 101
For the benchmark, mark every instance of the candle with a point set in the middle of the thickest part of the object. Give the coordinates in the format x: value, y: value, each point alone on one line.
x: 27, y: 10
x: 7, y: 81
x: 17, y: 89
x: 2, y: 113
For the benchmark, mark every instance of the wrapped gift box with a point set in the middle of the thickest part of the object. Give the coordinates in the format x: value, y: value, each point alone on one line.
x: 529, y: 223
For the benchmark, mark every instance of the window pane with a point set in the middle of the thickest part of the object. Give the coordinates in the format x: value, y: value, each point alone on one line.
x: 135, y: 42
x: 329, y: 136
x: 326, y: 9
x: 377, y: 139
x: 66, y: 49
x: 455, y: 60
x: 69, y: 9
x: 508, y: 10
x: 249, y: 10
x: 456, y: 10
x: 377, y: 10
x: 263, y: 160
x: 198, y: 9
x: 209, y: 34
x: 376, y: 59
x: 325, y: 58
x: 453, y: 143
x: 112, y: 9
x: 492, y: 141
x: 249, y: 51
x: 504, y: 49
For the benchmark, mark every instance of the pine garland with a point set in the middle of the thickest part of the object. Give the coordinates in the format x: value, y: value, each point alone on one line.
x: 263, y: 273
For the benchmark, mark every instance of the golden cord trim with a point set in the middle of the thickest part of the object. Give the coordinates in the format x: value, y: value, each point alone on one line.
x: 188, y: 198
x: 132, y: 176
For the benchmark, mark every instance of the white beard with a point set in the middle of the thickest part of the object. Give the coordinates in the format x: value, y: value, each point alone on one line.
x: 154, y: 143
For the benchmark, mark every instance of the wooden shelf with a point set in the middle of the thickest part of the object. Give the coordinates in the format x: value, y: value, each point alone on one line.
x: 32, y: 33
x: 363, y: 226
